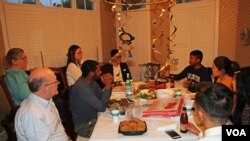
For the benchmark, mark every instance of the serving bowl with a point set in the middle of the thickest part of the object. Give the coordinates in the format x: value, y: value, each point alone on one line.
x: 164, y: 93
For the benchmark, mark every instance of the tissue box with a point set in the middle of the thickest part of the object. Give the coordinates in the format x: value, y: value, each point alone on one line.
x: 164, y: 107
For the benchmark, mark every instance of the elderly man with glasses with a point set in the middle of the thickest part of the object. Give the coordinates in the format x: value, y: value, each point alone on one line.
x: 37, y: 119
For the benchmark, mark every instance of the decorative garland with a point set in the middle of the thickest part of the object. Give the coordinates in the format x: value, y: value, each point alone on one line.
x: 134, y: 2
x: 126, y: 37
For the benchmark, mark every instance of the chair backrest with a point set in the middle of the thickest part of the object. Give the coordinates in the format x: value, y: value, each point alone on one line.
x: 68, y: 123
x: 151, y: 69
x: 61, y: 76
x: 7, y: 92
x: 9, y: 124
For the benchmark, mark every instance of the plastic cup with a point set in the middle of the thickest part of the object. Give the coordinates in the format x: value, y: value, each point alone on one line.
x: 122, y: 110
x: 128, y: 113
x: 189, y: 110
x: 115, y: 115
x: 178, y: 94
x: 137, y: 111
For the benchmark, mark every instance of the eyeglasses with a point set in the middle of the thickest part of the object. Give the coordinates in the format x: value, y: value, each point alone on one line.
x: 80, y: 52
x: 118, y: 57
x: 22, y: 58
x: 56, y: 82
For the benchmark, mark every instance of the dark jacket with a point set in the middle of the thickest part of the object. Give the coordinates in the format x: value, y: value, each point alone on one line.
x: 108, y: 68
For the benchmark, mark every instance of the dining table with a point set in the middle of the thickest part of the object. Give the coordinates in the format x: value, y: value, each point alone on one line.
x: 108, y: 130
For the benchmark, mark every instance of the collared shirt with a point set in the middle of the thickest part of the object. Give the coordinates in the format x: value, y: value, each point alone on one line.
x: 17, y: 83
x: 38, y: 120
x: 212, y: 134
x: 117, y: 74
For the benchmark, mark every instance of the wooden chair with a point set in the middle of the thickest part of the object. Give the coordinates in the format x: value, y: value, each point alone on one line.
x: 151, y: 69
x: 7, y: 92
x: 61, y: 77
x: 9, y: 124
x: 68, y: 122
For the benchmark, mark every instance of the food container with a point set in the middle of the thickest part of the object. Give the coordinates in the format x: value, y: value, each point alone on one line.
x: 164, y: 93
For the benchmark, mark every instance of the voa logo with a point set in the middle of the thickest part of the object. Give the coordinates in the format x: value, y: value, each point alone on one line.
x: 236, y: 132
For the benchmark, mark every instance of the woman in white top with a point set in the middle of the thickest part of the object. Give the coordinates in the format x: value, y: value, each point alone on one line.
x: 74, y: 64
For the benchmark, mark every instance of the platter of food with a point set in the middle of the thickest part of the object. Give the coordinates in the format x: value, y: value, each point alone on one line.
x: 132, y: 127
x: 115, y: 103
x: 146, y: 94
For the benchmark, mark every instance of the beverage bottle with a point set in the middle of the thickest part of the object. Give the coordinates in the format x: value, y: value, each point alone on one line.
x: 128, y: 86
x: 183, y: 120
x: 172, y: 81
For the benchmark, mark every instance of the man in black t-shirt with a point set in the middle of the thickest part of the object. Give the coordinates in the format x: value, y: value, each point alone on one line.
x: 195, y: 72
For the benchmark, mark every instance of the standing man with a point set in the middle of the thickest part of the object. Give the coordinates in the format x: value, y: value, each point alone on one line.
x: 37, y: 118
x: 87, y: 98
x: 195, y: 72
x: 16, y: 78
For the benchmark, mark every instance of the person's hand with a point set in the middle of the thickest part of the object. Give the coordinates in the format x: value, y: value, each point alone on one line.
x: 192, y: 129
x: 107, y: 79
x: 166, y: 73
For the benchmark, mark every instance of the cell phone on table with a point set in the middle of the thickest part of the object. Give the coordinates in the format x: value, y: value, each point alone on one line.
x: 173, y: 134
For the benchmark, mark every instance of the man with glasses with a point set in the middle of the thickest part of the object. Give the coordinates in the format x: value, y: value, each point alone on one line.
x: 16, y: 78
x: 37, y: 119
x: 116, y: 67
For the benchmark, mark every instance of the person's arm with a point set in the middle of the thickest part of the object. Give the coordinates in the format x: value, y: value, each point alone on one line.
x: 96, y: 98
x: 182, y: 74
x: 192, y: 129
x: 17, y: 84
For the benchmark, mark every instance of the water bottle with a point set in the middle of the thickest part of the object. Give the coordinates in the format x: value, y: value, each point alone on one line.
x: 128, y: 86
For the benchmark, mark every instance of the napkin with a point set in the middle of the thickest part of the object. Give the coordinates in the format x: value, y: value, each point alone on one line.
x: 162, y: 124
x: 167, y: 127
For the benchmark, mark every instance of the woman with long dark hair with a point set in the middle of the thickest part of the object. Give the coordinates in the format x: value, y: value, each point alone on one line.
x: 73, y: 64
x: 241, y: 84
x: 223, y: 70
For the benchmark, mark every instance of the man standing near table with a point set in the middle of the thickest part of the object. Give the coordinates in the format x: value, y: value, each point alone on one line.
x: 87, y: 98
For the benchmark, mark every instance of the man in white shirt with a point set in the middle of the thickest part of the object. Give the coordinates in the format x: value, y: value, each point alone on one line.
x: 37, y: 119
x: 213, y: 104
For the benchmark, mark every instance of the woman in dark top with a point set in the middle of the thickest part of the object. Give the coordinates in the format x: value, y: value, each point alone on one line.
x: 241, y: 114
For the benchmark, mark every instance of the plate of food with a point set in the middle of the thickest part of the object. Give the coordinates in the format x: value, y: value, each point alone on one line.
x: 146, y: 94
x: 132, y: 127
x: 115, y: 103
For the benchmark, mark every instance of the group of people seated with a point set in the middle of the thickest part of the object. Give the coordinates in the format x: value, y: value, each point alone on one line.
x: 91, y: 87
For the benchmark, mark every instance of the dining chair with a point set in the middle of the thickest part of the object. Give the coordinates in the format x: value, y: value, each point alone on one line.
x: 68, y: 121
x: 149, y: 70
x: 60, y: 73
x: 9, y: 124
x: 7, y: 92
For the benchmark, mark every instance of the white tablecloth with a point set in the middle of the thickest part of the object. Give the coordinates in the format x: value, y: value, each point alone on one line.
x: 106, y: 129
